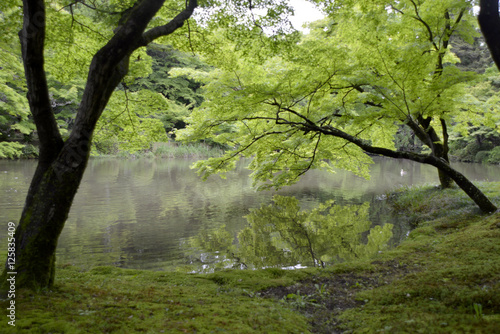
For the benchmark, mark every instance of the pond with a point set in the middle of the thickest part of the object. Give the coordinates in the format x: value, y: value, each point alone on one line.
x: 157, y: 214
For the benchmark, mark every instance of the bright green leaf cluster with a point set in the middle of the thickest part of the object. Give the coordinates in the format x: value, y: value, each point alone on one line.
x: 369, y: 68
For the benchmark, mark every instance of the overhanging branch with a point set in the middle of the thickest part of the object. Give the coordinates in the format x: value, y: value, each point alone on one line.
x: 468, y: 187
x: 170, y: 27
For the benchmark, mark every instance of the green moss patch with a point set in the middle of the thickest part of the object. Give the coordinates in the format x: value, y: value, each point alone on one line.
x: 454, y: 282
x: 112, y: 300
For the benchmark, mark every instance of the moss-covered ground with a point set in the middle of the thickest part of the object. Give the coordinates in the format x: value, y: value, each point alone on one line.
x: 445, y: 278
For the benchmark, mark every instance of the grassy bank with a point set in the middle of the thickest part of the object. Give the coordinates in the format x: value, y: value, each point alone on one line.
x: 156, y: 150
x: 167, y: 151
x: 111, y: 300
x: 445, y: 278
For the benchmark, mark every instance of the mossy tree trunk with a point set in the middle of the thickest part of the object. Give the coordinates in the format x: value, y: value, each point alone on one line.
x: 62, y: 164
x: 47, y: 206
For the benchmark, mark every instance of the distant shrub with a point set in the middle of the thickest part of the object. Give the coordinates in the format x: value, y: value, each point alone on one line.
x: 467, y: 153
x: 482, y: 156
x: 124, y: 154
x: 10, y: 150
x: 30, y: 151
x: 107, y: 145
x: 175, y: 150
x: 149, y: 155
x: 494, y: 156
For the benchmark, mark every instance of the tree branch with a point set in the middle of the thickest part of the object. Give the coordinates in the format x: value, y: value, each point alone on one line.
x: 468, y: 187
x: 110, y: 64
x: 32, y: 37
x: 424, y: 128
x: 426, y: 25
x: 171, y: 26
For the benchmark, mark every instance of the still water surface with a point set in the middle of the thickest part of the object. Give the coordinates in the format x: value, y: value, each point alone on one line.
x: 154, y: 214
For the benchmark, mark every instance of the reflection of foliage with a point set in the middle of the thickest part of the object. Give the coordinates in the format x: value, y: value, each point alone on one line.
x: 216, y: 243
x: 320, y: 236
x: 217, y: 239
x: 282, y: 235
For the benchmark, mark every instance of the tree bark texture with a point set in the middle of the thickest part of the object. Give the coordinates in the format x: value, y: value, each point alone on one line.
x: 62, y: 164
x: 428, y: 135
x: 489, y: 21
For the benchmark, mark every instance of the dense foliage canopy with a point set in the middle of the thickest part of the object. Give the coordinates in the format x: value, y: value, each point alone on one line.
x: 343, y: 91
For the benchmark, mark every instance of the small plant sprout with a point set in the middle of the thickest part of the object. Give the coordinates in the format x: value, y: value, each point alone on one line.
x: 478, y: 309
x: 321, y: 289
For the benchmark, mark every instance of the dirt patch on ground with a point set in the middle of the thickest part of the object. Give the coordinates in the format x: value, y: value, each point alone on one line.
x: 325, y: 297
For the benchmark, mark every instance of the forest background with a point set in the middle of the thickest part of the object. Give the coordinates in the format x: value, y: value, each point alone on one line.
x: 158, y: 103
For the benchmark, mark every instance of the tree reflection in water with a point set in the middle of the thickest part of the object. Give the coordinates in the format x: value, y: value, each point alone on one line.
x: 283, y: 235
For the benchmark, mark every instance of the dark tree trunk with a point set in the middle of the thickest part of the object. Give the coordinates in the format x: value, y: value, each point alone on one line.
x: 428, y: 135
x: 45, y: 213
x: 441, y: 152
x: 489, y: 21
x: 444, y: 179
x: 62, y: 164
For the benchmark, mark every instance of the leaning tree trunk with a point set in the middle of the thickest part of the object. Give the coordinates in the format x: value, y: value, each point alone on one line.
x: 481, y: 200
